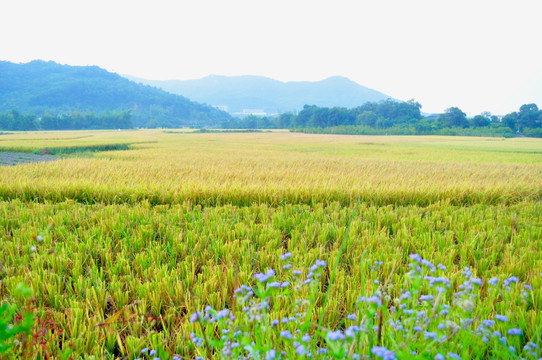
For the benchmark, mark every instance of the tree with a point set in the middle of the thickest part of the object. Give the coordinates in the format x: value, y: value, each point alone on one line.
x: 480, y: 121
x: 368, y: 118
x: 511, y: 120
x: 529, y: 116
x: 454, y: 117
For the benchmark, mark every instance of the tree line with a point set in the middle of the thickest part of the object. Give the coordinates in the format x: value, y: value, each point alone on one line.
x: 398, y: 118
x: 15, y: 121
x: 372, y: 118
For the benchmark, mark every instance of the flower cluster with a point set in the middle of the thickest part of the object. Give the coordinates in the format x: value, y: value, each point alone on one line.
x: 424, y: 314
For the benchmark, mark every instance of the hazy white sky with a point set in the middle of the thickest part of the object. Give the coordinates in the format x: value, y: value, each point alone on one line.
x: 475, y: 54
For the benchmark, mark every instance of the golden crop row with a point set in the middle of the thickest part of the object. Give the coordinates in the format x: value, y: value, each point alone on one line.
x: 281, y: 167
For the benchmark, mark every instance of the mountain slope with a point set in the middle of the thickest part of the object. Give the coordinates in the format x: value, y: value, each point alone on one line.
x: 40, y: 87
x: 257, y: 92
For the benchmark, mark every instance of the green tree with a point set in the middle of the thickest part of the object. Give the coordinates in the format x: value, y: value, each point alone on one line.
x: 368, y: 118
x: 511, y: 120
x: 454, y: 117
x: 480, y: 121
x: 529, y: 116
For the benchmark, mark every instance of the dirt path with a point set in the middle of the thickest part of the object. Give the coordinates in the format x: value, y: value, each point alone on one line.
x: 14, y: 158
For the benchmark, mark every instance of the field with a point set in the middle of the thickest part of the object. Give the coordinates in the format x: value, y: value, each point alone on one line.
x: 129, y: 233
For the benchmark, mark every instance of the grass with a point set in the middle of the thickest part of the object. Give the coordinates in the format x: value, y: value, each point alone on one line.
x: 134, y: 242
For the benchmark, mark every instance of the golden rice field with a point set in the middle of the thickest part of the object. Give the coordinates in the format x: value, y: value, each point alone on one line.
x: 134, y: 241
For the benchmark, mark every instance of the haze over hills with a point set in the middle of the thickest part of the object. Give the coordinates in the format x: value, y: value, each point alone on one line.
x: 38, y: 87
x: 272, y: 96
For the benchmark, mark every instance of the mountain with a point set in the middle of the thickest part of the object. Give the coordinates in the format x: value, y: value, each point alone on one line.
x: 272, y: 96
x: 47, y: 87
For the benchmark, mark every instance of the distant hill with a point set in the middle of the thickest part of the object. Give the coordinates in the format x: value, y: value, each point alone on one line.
x: 272, y: 96
x: 47, y: 87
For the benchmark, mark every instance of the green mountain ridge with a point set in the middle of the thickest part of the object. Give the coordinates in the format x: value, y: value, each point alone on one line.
x: 272, y: 96
x: 40, y: 87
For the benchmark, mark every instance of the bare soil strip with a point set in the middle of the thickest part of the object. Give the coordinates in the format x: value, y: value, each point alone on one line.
x: 16, y: 158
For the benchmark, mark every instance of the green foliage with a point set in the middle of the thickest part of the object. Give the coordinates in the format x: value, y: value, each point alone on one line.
x: 249, y: 122
x: 454, y: 117
x: 379, y: 115
x: 480, y: 121
x: 74, y: 120
x: 15, y: 324
x: 15, y: 121
x: 395, y: 118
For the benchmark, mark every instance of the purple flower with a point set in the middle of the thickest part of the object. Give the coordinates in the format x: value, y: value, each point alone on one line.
x: 271, y: 355
x: 287, y: 266
x: 320, y: 263
x: 374, y: 300
x: 296, y: 272
x: 261, y: 277
x: 286, y: 256
x: 382, y: 352
x: 439, y: 356
x: 488, y: 323
x: 196, y: 316
x: 493, y: 281
x: 515, y: 331
x: 476, y: 281
x: 352, y: 331
x: 143, y: 351
x: 274, y: 322
x: 300, y: 350
x: 427, y: 298
x: 502, y: 318
x: 351, y: 317
x: 430, y: 335
x: 428, y: 263
x: 416, y: 257
x: 306, y: 338
x: 152, y: 352
x: 222, y: 314
x: 335, y: 335
x: 286, y: 334
x: 452, y: 355
x: 437, y: 280
x: 510, y: 280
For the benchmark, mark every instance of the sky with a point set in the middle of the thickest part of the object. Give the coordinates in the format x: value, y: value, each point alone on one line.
x: 477, y: 55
